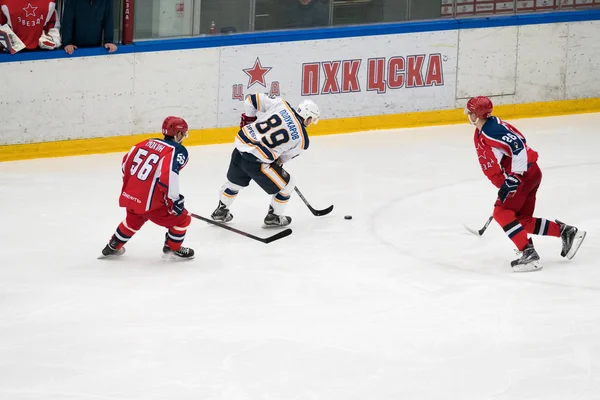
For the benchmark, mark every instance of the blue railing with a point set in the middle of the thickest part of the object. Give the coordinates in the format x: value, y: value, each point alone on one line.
x: 313, y: 34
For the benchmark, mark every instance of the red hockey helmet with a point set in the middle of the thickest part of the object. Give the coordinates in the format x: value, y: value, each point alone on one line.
x: 173, y: 125
x: 481, y: 106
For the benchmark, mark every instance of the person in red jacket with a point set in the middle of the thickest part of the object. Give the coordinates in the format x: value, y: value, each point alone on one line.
x: 511, y: 165
x: 150, y: 191
x: 35, y: 22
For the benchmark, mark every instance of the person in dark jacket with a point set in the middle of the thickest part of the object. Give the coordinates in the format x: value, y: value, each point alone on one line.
x: 306, y: 13
x: 88, y: 23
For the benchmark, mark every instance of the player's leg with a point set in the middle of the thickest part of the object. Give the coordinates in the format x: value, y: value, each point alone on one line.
x: 177, y: 226
x: 529, y: 260
x: 237, y: 179
x: 533, y: 225
x: 277, y: 182
x: 124, y: 232
x: 571, y: 237
x: 506, y: 215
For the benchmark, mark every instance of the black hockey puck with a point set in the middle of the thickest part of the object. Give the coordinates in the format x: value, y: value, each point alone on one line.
x: 348, y: 217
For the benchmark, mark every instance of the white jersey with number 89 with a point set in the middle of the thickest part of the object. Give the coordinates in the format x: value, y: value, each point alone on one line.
x: 277, y: 133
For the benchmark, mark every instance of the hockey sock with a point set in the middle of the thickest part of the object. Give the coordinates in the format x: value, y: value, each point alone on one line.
x: 175, y: 237
x: 229, y: 192
x: 515, y: 232
x: 512, y: 227
x: 278, y: 202
x: 176, y: 234
x: 540, y: 226
x: 122, y: 235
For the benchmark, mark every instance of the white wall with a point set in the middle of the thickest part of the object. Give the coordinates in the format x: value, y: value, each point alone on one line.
x: 125, y: 94
x: 530, y: 63
x: 107, y: 96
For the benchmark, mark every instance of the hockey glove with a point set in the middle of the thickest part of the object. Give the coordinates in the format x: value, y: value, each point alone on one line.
x: 50, y: 40
x: 509, y: 187
x: 178, y: 206
x: 246, y: 120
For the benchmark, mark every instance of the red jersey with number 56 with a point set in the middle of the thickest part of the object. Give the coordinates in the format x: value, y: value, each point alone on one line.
x: 151, y: 175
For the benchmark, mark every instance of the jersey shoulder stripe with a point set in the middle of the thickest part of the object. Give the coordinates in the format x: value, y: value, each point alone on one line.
x: 255, y: 101
x: 297, y: 118
x: 180, y: 154
x: 502, y: 137
x: 264, y: 151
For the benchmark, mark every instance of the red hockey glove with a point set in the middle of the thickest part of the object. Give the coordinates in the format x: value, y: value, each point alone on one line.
x: 246, y: 120
x: 509, y: 187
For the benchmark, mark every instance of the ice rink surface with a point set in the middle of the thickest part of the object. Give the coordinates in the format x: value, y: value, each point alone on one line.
x: 399, y: 303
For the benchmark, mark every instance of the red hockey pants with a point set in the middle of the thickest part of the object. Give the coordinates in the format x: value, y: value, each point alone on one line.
x: 177, y: 225
x: 515, y: 215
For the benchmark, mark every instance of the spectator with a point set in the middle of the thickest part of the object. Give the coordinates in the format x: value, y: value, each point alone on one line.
x: 36, y: 24
x: 88, y: 23
x: 306, y: 13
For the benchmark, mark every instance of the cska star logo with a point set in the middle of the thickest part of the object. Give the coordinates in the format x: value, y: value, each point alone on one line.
x: 256, y: 75
x: 481, y: 152
x: 30, y: 10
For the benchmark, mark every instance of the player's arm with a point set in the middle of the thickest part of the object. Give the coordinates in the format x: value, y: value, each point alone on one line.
x: 51, y: 36
x: 512, y: 145
x: 258, y: 102
x: 492, y: 169
x: 520, y: 161
x: 126, y: 158
x: 293, y: 149
x: 176, y: 164
x: 288, y: 155
x: 254, y: 103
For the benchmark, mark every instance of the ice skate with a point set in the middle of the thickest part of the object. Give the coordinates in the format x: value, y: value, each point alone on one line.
x: 273, y: 220
x: 183, y: 253
x: 571, y: 239
x: 222, y: 213
x: 110, y: 250
x: 529, y: 261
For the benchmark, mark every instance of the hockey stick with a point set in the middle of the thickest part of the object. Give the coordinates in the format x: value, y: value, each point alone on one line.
x: 480, y: 232
x: 317, y: 213
x: 267, y: 240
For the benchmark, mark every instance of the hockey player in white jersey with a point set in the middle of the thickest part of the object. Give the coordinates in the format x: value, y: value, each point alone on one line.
x: 271, y: 133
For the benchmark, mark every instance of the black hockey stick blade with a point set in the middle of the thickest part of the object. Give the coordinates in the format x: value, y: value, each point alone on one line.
x: 482, y: 230
x: 277, y: 236
x: 320, y: 213
x: 317, y: 213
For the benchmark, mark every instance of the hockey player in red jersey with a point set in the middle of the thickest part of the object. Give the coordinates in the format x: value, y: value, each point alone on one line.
x: 511, y: 165
x: 35, y: 22
x: 150, y: 190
